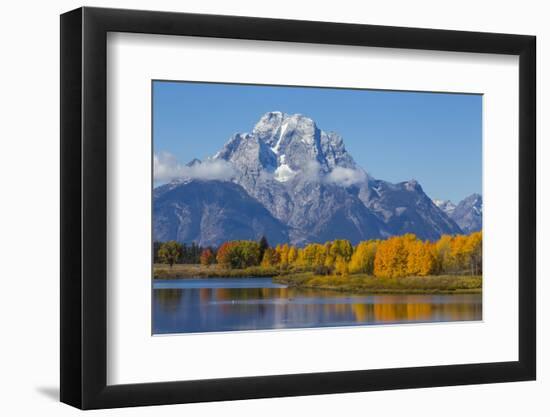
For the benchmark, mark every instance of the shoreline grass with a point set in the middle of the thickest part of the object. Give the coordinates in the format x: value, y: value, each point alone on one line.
x: 183, y: 271
x: 362, y: 283
x: 356, y: 283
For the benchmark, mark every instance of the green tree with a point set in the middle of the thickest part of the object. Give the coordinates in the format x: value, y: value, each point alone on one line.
x: 239, y: 254
x: 341, y: 248
x: 170, y: 252
x: 248, y: 253
x: 156, y: 247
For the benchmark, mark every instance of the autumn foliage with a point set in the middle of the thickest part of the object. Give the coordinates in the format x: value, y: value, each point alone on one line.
x: 207, y: 257
x: 239, y: 254
x: 397, y: 256
x: 170, y: 252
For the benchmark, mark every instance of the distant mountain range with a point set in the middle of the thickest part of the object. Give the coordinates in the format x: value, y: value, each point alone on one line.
x: 467, y: 214
x: 292, y: 182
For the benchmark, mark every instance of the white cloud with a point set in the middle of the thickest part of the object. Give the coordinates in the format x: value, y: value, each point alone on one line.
x: 283, y: 173
x: 312, y: 170
x: 346, y: 176
x: 166, y: 168
x: 210, y: 170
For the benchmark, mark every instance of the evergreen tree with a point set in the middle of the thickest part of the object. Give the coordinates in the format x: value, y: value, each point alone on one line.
x: 263, y: 246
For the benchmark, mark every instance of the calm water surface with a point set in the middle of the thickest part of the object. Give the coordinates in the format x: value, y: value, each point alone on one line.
x: 213, y: 305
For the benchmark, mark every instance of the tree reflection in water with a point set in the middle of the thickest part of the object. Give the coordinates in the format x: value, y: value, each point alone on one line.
x: 217, y: 308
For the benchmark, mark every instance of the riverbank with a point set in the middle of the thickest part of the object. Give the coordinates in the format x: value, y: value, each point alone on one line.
x: 362, y: 283
x: 357, y: 283
x: 179, y: 271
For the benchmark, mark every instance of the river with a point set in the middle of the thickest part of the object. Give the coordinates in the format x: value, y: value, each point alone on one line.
x: 228, y: 304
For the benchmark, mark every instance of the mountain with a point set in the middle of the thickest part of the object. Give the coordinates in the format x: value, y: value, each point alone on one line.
x: 307, y: 182
x: 285, y: 163
x: 405, y: 208
x: 210, y: 212
x: 468, y: 213
x: 193, y: 162
x: 447, y: 206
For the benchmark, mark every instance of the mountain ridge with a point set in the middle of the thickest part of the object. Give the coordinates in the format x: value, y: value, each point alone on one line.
x: 467, y: 214
x: 306, y: 179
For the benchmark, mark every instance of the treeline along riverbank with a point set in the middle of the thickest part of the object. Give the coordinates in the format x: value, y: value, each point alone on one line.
x: 399, y: 263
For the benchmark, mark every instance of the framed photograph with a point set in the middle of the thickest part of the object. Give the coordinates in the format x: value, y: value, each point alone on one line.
x: 257, y: 208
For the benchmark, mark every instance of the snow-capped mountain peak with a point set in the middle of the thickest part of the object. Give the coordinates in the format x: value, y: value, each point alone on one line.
x: 288, y: 144
x: 446, y: 205
x: 468, y: 213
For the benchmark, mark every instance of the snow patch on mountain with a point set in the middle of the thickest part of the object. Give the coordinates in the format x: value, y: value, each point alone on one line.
x: 446, y: 205
x: 275, y: 149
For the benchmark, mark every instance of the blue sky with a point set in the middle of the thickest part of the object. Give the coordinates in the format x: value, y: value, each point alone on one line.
x: 395, y: 136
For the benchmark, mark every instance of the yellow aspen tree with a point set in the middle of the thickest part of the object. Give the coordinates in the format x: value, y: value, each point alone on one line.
x: 300, y: 261
x: 413, y: 258
x: 420, y: 260
x: 362, y: 260
x: 284, y: 254
x: 292, y: 255
x: 328, y: 259
x: 459, y: 253
x: 341, y: 266
x: 444, y: 261
x: 391, y: 258
x: 428, y: 265
x: 474, y: 250
x: 318, y: 255
x: 271, y: 258
x: 308, y: 255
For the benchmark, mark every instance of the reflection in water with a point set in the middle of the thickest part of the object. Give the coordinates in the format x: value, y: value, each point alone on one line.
x: 182, y: 306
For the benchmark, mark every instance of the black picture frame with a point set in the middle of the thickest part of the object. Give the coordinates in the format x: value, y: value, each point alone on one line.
x: 84, y: 207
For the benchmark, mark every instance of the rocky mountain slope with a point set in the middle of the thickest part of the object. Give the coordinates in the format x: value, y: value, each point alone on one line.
x: 467, y: 214
x: 208, y: 212
x: 447, y: 206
